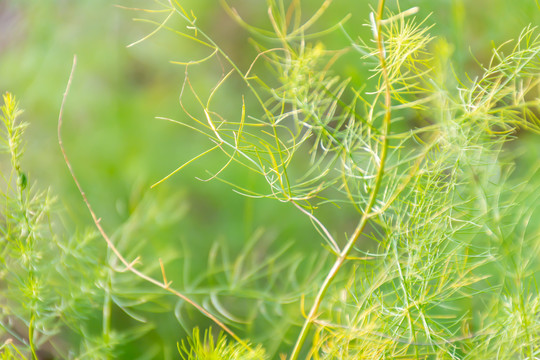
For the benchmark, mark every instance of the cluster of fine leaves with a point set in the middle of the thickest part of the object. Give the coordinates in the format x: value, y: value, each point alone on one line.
x: 208, y: 348
x: 443, y: 261
x: 439, y: 258
x: 47, y: 280
x: 59, y: 288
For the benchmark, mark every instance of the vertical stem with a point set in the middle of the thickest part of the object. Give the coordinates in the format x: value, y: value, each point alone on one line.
x: 106, y: 321
x: 31, y: 338
x: 313, y: 313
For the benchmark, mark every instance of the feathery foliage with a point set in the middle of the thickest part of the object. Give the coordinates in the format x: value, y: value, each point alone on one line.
x: 422, y: 273
x: 439, y: 261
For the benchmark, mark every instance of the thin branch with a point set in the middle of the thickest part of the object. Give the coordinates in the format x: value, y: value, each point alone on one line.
x: 313, y: 313
x: 110, y: 244
x: 329, y: 237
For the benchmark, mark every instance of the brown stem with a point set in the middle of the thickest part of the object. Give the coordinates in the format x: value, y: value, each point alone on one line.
x: 129, y: 265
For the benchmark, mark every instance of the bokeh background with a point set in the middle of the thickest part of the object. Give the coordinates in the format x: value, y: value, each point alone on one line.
x: 117, y: 146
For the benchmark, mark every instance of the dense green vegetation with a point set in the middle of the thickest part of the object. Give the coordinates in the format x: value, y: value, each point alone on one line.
x: 260, y: 180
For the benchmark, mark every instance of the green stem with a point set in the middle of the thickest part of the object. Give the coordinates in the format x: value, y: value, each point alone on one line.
x: 313, y: 313
x: 107, y: 303
x: 31, y: 338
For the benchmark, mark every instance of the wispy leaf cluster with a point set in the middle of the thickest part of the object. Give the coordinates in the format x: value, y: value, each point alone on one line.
x: 421, y: 159
x: 441, y: 259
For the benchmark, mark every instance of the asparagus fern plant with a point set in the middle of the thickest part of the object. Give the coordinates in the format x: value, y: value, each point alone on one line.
x: 420, y: 154
x: 442, y: 259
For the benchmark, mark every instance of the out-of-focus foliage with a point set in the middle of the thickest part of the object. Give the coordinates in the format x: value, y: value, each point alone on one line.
x: 446, y: 266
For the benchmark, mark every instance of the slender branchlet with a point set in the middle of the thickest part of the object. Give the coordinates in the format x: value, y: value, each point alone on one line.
x: 313, y: 312
x: 129, y: 266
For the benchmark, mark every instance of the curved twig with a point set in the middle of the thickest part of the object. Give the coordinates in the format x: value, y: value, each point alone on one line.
x: 130, y: 265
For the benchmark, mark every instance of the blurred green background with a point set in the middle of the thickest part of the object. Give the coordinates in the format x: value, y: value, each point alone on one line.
x: 118, y: 148
x: 116, y: 144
